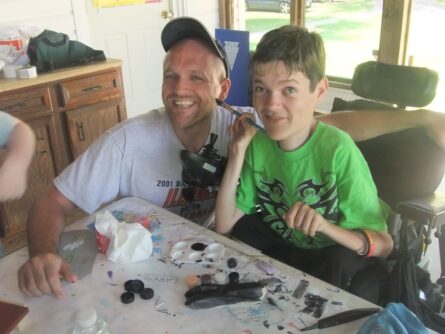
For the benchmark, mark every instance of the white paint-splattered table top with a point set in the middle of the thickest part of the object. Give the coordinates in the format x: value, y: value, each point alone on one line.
x: 166, y: 312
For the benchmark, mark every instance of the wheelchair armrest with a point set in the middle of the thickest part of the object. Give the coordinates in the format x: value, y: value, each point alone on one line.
x: 428, y: 210
x: 416, y: 219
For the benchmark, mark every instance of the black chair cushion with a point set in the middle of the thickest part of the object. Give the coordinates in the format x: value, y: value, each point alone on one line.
x: 405, y: 164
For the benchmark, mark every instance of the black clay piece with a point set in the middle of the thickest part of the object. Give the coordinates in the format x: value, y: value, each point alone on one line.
x: 198, y: 246
x: 134, y: 285
x: 147, y: 293
x: 232, y: 263
x: 233, y: 277
x: 206, y: 279
x: 300, y: 289
x: 212, y: 295
x: 127, y: 297
x: 128, y: 285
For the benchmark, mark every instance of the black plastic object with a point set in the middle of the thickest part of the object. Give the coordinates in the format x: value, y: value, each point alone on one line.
x: 233, y: 277
x: 206, y: 279
x: 147, y: 293
x: 198, y: 246
x: 212, y: 295
x: 342, y: 318
x: 232, y: 263
x: 204, y: 169
x: 127, y: 297
x: 134, y: 285
x: 300, y: 289
x: 395, y: 84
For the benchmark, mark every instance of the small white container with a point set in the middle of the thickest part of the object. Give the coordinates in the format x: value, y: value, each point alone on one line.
x: 10, y: 71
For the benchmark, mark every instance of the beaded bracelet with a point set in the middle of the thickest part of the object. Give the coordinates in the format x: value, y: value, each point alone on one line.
x: 366, y: 250
x: 371, y: 245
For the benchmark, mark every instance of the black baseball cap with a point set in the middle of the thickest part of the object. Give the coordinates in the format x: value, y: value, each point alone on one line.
x: 189, y: 27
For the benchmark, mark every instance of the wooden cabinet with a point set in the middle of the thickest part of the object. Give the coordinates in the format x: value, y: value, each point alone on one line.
x: 67, y: 109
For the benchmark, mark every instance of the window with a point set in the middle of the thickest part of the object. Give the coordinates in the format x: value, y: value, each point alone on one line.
x: 354, y: 31
x: 260, y: 16
x: 350, y: 30
x: 425, y: 47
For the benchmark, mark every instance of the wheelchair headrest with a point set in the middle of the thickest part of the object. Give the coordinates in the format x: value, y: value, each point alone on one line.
x: 395, y: 84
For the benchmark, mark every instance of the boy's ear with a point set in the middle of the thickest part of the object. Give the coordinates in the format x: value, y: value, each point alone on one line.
x: 225, y: 87
x: 321, y: 89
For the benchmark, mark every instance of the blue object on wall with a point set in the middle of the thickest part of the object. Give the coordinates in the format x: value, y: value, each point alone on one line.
x: 236, y: 44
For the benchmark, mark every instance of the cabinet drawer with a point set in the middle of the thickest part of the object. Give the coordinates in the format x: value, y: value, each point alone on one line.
x: 80, y: 92
x: 27, y: 102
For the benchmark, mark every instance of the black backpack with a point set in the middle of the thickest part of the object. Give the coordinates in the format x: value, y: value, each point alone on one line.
x: 406, y: 282
x: 52, y: 50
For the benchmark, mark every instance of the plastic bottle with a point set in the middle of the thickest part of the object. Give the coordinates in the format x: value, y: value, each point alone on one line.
x: 87, y: 322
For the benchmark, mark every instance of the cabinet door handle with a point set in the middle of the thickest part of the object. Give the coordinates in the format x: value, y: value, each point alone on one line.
x: 91, y: 89
x: 80, y: 131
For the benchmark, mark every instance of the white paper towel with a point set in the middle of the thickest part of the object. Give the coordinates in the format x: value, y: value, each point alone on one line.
x: 129, y: 243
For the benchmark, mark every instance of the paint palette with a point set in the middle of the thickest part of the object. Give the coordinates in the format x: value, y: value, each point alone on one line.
x: 197, y: 251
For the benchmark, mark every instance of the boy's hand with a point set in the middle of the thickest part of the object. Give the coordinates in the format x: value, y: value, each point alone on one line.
x: 241, y: 133
x: 305, y: 219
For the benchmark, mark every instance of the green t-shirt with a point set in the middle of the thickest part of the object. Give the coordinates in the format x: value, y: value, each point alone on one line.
x: 327, y: 173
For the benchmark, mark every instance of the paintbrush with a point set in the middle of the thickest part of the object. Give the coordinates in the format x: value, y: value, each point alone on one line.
x: 237, y: 113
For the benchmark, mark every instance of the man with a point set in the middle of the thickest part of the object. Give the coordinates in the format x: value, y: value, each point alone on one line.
x: 141, y: 157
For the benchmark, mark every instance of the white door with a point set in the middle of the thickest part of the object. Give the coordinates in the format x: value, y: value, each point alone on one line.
x: 132, y: 33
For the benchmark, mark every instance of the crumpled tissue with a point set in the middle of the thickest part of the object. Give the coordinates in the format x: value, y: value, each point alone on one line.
x: 129, y: 243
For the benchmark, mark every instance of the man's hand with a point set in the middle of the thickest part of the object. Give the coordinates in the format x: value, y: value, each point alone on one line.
x: 305, y: 219
x: 42, y: 273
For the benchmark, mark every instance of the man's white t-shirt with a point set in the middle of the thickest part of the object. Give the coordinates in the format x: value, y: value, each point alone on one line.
x: 141, y: 157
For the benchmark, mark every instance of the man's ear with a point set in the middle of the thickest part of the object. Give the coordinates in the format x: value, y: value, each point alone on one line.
x: 225, y: 87
x: 321, y: 89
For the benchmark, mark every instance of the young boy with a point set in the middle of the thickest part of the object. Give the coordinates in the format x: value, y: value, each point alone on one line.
x: 19, y: 141
x: 318, y: 206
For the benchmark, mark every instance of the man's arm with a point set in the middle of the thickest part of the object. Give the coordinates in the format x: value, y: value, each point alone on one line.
x: 42, y: 272
x: 366, y: 124
x: 14, y: 170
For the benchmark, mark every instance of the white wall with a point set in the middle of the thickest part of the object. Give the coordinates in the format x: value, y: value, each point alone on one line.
x: 54, y: 15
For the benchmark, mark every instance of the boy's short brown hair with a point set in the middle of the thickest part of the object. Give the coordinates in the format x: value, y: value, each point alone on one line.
x: 300, y: 50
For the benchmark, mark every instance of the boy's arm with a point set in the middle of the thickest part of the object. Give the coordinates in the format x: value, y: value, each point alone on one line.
x: 357, y: 241
x: 13, y: 172
x: 226, y: 212
x: 304, y: 218
x: 366, y: 124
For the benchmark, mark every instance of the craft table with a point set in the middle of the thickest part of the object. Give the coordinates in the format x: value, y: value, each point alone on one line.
x: 280, y: 312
